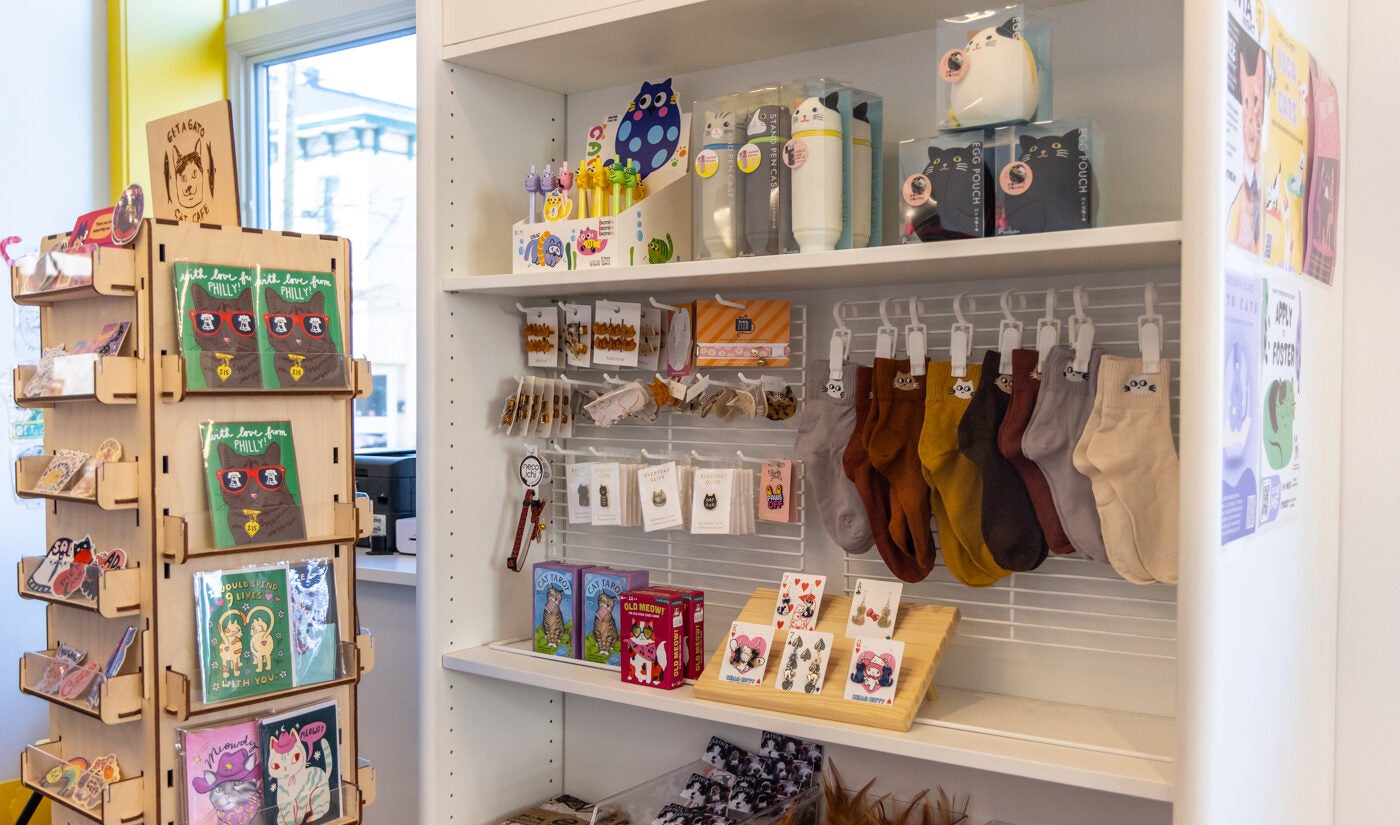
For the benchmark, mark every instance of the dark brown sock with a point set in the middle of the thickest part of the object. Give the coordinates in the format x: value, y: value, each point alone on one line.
x: 893, y: 445
x: 1025, y: 388
x: 1009, y: 523
x: 873, y: 488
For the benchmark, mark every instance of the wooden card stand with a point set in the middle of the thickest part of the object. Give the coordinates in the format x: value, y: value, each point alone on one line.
x: 924, y: 629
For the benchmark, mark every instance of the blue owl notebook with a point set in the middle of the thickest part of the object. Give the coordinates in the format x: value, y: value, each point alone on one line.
x: 254, y: 491
x: 301, y: 765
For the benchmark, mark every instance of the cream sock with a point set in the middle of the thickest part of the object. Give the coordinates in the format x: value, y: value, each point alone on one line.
x: 1133, y: 449
x: 1114, y: 518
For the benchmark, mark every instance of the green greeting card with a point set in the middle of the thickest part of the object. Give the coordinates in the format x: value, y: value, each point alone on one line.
x: 299, y: 328
x: 245, y: 632
x: 218, y: 327
x: 254, y: 492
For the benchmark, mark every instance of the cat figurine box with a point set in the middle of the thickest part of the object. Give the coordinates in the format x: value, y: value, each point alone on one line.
x: 1046, y: 176
x: 835, y: 170
x: 254, y: 490
x: 602, y: 615
x: 653, y: 627
x: 599, y: 220
x: 945, y: 187
x: 693, y: 647
x: 993, y: 69
x: 557, y: 586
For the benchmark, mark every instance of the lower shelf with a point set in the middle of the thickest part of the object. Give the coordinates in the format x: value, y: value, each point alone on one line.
x: 46, y: 770
x: 1093, y: 748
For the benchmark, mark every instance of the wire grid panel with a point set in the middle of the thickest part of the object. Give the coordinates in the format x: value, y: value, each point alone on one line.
x: 727, y: 568
x: 1069, y: 601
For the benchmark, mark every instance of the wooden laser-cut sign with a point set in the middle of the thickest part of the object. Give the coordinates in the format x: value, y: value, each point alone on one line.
x: 193, y: 173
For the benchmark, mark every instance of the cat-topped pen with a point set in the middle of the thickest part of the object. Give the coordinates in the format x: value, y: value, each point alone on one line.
x: 814, y: 154
x: 532, y: 185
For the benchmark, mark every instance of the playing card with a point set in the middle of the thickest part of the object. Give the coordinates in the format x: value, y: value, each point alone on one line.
x: 799, y: 601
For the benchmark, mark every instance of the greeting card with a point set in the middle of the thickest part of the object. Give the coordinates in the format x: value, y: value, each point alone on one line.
x: 244, y: 632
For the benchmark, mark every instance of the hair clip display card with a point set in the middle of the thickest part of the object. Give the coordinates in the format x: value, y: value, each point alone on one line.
x: 510, y: 410
x: 756, y: 334
x: 875, y: 670
x: 615, y: 333
x: 542, y: 337
x: 874, y: 609
x: 804, y: 658
x: 799, y: 601
x: 649, y: 351
x: 680, y: 341
x: 578, y: 335
x: 747, y: 647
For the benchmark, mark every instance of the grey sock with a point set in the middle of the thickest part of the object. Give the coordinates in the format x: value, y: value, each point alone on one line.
x: 1065, y: 401
x: 824, y: 427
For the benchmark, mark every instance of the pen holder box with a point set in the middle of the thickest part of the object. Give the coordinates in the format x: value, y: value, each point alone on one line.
x: 835, y: 164
x: 945, y: 189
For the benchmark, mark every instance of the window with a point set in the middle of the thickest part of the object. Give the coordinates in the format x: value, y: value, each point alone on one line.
x: 328, y: 127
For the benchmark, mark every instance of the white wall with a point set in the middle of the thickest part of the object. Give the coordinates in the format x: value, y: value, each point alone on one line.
x: 1368, y: 728
x: 55, y: 151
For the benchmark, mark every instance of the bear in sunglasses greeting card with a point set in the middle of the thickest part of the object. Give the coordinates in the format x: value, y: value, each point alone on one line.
x: 254, y: 496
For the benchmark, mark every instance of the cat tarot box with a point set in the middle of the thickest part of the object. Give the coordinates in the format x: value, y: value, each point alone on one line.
x: 556, y: 608
x: 602, y: 615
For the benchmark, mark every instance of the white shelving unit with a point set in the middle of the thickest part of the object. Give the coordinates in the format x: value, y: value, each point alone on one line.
x: 1234, y: 727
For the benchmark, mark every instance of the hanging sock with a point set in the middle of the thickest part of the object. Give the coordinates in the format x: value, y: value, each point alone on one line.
x: 892, y: 442
x: 1009, y: 524
x: 1136, y: 471
x: 874, y: 490
x: 955, y: 485
x: 824, y: 428
x: 1025, y: 388
x: 1065, y: 401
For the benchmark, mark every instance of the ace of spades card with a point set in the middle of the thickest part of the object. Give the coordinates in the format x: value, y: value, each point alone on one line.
x: 799, y: 601
x: 803, y: 661
x: 874, y: 608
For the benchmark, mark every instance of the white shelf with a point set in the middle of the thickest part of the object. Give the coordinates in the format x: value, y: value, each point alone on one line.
x: 386, y: 569
x: 1104, y: 750
x: 1134, y: 248
x: 640, y: 37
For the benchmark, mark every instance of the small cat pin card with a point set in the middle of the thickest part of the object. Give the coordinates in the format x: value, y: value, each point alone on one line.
x: 747, y: 649
x: 712, y: 501
x: 874, y: 608
x: 799, y: 601
x: 302, y: 764
x: 300, y: 338
x: 874, y: 671
x: 804, y: 658
x: 254, y: 490
x: 223, y: 776
x: 194, y: 178
x: 578, y: 492
x: 661, y: 497
x: 217, y: 320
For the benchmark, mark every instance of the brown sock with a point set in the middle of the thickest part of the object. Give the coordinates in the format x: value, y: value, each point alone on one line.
x: 954, y: 479
x: 893, y: 445
x: 874, y: 490
x: 1009, y: 525
x: 1025, y: 387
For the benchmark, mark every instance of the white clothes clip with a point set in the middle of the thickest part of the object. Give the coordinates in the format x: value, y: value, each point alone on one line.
x: 1150, y: 332
x: 885, y: 334
x: 916, y: 341
x: 1081, y: 332
x: 1008, y: 334
x: 1047, y: 332
x: 960, y: 339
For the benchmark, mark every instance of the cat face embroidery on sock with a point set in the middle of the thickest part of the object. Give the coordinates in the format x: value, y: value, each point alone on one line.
x: 905, y: 382
x: 1071, y: 374
x: 1004, y: 383
x: 1139, y: 385
x: 962, y: 388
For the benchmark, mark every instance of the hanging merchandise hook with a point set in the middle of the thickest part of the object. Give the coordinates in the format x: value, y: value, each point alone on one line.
x: 574, y: 382
x: 1047, y: 331
x: 752, y: 460
x: 1008, y: 334
x: 555, y: 448
x: 614, y: 380
x: 1150, y: 332
x: 656, y: 456
x: 960, y: 339
x: 659, y: 305
x: 732, y: 304
x: 916, y: 341
x: 837, y: 353
x: 885, y: 334
x: 1081, y: 331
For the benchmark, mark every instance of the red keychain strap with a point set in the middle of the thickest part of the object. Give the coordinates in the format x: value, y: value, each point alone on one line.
x: 530, y: 509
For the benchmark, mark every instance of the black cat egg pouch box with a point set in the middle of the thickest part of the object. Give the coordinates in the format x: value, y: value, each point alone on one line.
x: 556, y: 608
x: 217, y: 319
x: 602, y: 615
x: 993, y: 68
x: 945, y: 189
x: 254, y: 491
x: 300, y: 339
x: 1046, y: 176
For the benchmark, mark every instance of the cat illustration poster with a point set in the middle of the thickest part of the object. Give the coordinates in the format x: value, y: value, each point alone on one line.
x: 1277, y: 401
x: 1239, y: 416
x: 602, y: 614
x: 217, y: 319
x: 874, y: 609
x: 245, y: 632
x: 1285, y: 170
x: 254, y: 491
x: 1246, y: 74
x: 874, y: 671
x: 311, y: 589
x: 301, y: 765
x: 299, y: 327
x: 194, y: 177
x: 223, y: 775
x: 799, y: 601
x: 1324, y: 175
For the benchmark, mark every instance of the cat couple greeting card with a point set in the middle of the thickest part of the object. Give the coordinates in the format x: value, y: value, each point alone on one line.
x: 258, y: 328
